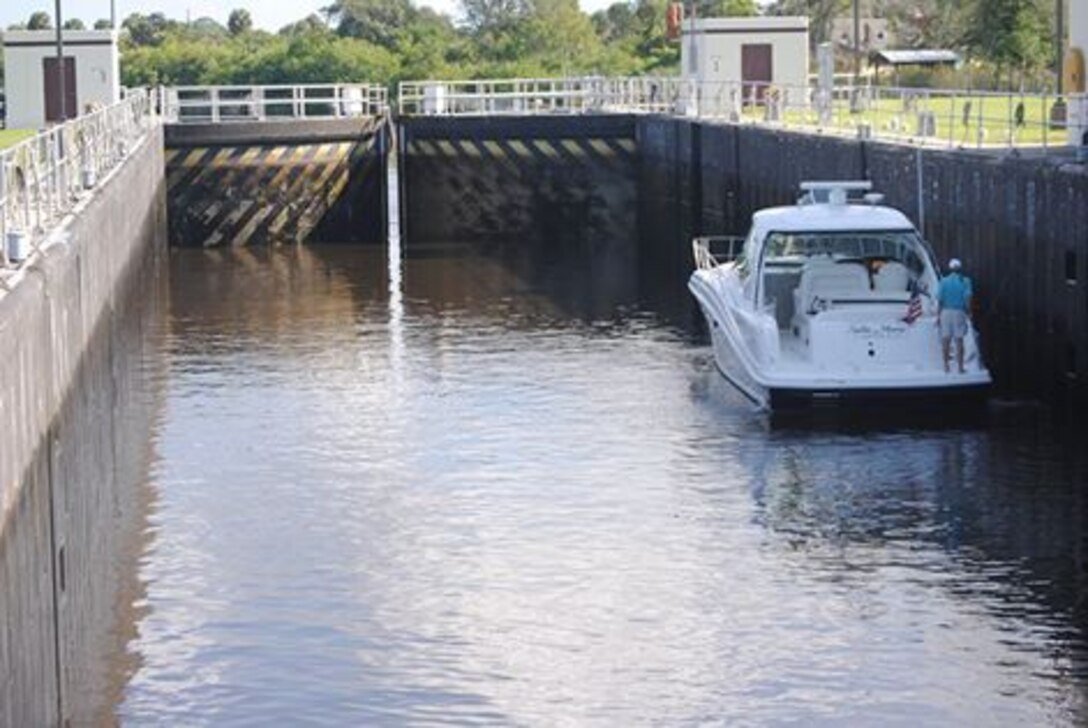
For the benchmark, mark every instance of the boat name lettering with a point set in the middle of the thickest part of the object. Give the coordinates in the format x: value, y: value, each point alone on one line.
x: 883, y: 331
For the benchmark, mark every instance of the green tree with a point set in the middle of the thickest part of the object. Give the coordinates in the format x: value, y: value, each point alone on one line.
x: 387, y: 40
x: 148, y: 30
x: 310, y: 24
x: 634, y: 33
x: 240, y: 21
x: 615, y: 23
x: 1014, y: 35
x: 40, y: 20
x: 102, y: 24
x: 74, y: 24
x: 727, y: 8
x: 431, y: 47
x: 489, y: 17
x: 929, y: 23
x: 205, y: 28
x: 375, y: 21
x: 821, y: 13
x: 559, y: 36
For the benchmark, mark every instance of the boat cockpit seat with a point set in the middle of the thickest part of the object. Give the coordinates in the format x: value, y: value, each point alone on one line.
x: 826, y: 280
x: 891, y: 277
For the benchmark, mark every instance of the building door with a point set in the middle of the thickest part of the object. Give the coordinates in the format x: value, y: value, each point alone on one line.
x: 52, y: 89
x: 756, y: 69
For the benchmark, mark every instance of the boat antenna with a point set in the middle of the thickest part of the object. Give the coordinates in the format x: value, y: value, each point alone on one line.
x: 920, y: 167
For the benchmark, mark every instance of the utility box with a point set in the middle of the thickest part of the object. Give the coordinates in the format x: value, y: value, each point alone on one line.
x: 32, y: 75
x: 434, y: 99
x: 746, y: 56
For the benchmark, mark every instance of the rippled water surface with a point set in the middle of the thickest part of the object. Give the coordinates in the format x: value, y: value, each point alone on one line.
x: 485, y: 488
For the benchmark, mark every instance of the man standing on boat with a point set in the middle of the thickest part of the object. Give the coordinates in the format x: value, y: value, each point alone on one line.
x: 953, y: 303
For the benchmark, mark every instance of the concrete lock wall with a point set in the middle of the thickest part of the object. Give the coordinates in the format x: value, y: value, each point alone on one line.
x: 68, y: 464
x: 1019, y: 223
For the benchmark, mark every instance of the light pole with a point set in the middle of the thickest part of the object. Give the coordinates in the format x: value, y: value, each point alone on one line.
x: 1060, y: 15
x: 855, y: 95
x: 1059, y: 112
x: 61, y: 90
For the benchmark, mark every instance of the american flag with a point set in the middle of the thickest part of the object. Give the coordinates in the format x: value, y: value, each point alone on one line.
x: 914, y: 308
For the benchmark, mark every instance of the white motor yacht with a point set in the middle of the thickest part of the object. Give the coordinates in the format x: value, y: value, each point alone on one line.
x: 832, y: 300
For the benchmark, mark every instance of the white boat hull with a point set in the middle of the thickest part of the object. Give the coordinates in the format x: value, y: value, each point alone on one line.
x: 773, y: 383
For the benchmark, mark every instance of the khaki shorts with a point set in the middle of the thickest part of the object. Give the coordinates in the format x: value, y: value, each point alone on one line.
x: 953, y: 324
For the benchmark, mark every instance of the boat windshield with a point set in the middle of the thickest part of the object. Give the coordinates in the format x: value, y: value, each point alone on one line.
x: 794, y: 248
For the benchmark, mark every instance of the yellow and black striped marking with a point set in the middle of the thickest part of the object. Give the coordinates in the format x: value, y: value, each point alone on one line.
x: 517, y: 153
x: 257, y: 194
x: 474, y: 183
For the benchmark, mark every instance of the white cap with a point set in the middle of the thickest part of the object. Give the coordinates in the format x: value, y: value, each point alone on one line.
x: 955, y: 264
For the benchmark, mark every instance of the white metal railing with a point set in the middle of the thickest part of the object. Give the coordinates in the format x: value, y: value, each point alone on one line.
x: 221, y: 104
x: 538, y: 96
x: 710, y: 251
x: 44, y: 177
x: 919, y: 116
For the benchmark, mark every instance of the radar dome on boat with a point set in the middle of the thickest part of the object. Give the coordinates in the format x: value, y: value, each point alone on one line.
x: 832, y: 192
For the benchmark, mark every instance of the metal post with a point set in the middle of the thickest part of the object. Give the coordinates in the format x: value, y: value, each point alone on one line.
x: 1060, y: 14
x: 113, y: 14
x: 694, y: 50
x: 919, y: 166
x: 857, y: 43
x: 60, y: 65
x: 1059, y: 112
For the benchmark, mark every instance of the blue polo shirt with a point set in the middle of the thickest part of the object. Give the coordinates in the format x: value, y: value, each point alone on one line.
x: 954, y: 292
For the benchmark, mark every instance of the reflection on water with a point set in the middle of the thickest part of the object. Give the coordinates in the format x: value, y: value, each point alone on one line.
x: 487, y: 488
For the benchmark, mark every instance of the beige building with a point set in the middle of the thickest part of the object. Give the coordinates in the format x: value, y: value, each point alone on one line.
x: 751, y: 54
x: 32, y: 82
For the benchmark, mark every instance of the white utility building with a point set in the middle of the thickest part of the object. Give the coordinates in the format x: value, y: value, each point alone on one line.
x: 757, y: 52
x: 32, y: 82
x: 1075, y: 72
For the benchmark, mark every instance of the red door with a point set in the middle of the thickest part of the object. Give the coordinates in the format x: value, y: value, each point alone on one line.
x: 756, y: 69
x: 52, y: 89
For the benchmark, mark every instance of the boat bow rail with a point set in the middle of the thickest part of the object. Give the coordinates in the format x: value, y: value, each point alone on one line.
x: 710, y: 251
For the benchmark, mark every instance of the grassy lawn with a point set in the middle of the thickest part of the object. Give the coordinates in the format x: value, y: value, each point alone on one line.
x: 13, y: 136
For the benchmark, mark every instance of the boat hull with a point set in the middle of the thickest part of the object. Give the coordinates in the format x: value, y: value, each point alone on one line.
x: 740, y: 368
x: 960, y: 397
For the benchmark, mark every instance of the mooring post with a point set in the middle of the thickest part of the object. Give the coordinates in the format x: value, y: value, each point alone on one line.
x: 920, y: 173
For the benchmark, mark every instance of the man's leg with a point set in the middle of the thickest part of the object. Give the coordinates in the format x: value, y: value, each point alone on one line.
x: 945, y: 342
x: 959, y: 353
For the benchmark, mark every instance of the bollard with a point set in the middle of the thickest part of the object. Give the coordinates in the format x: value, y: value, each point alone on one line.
x: 927, y: 124
x: 18, y: 246
x: 89, y: 177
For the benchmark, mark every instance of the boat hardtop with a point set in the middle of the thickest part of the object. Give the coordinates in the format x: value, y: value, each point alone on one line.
x: 830, y: 218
